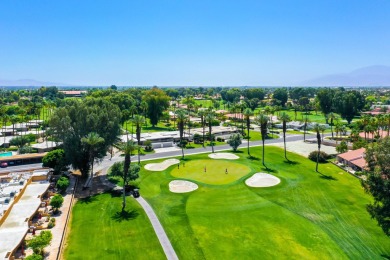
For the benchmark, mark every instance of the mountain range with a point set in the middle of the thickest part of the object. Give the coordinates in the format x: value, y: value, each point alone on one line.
x: 372, y: 76
x: 29, y: 83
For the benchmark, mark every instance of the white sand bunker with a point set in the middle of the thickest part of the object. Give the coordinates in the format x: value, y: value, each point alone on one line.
x: 261, y: 179
x: 157, y: 167
x: 228, y: 156
x: 179, y: 186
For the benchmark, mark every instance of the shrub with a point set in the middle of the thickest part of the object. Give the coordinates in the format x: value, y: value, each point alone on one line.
x: 34, y: 257
x: 39, y: 242
x: 52, y: 223
x: 26, y: 149
x: 55, y: 159
x: 322, y: 158
x: 62, y: 184
x: 234, y: 141
x: 56, y: 201
x: 148, y: 146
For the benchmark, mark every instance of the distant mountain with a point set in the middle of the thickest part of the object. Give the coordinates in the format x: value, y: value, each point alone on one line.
x: 372, y: 76
x: 28, y: 83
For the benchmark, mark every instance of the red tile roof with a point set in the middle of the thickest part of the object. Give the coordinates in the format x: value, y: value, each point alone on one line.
x: 355, y: 157
x: 370, y: 136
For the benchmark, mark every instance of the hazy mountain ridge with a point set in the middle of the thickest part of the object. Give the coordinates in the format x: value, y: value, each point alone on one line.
x: 371, y: 76
x: 29, y: 83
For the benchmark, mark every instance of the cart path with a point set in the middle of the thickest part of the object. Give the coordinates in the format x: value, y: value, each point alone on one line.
x: 160, y: 232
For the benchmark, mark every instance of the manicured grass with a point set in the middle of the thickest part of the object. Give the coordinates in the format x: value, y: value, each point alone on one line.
x: 211, y: 171
x: 307, y: 216
x: 98, y: 231
x: 193, y: 145
x: 204, y: 102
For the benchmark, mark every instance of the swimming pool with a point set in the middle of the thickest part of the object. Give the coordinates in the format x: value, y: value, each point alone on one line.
x: 5, y: 154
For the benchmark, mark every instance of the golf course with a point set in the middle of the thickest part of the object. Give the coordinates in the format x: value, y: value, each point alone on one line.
x: 307, y: 215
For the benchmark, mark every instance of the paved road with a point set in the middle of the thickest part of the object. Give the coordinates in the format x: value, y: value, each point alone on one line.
x: 106, y: 162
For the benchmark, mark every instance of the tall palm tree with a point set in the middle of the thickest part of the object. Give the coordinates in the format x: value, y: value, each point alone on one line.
x: 128, y: 148
x: 247, y: 114
x: 14, y: 119
x: 285, y: 118
x: 202, y: 114
x: 144, y: 108
x: 181, y: 117
x: 138, y: 121
x: 331, y: 116
x: 262, y: 120
x: 5, y: 119
x: 92, y: 142
x: 210, y: 117
x: 317, y: 128
x: 387, y: 120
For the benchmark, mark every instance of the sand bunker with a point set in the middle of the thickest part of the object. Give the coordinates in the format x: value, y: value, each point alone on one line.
x: 228, y: 156
x: 179, y: 186
x: 262, y: 180
x: 157, y: 167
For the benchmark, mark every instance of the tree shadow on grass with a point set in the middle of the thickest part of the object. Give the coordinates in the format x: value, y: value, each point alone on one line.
x: 269, y: 170
x: 238, y: 151
x: 291, y: 162
x: 253, y: 158
x: 87, y: 200
x: 327, y: 177
x: 126, y: 215
x: 385, y: 256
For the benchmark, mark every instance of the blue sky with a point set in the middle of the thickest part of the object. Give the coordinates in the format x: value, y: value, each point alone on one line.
x: 190, y: 43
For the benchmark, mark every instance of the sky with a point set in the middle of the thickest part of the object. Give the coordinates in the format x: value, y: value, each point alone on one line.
x: 190, y: 43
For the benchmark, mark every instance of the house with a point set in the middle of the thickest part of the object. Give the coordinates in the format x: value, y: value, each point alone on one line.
x: 354, y: 159
x: 73, y: 93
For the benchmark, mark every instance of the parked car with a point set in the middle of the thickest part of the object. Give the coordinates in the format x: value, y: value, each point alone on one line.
x: 3, y: 165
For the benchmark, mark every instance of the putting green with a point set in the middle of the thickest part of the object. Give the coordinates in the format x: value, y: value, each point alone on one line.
x: 215, y: 171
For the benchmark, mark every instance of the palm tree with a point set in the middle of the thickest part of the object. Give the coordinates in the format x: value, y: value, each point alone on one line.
x: 14, y: 119
x: 138, y: 122
x: 285, y: 118
x: 5, y: 118
x: 210, y: 117
x: 331, y: 116
x: 247, y: 114
x: 127, y: 147
x: 144, y: 108
x: 92, y: 141
x: 317, y: 128
x: 262, y: 120
x: 304, y: 128
x: 202, y: 114
x: 181, y: 117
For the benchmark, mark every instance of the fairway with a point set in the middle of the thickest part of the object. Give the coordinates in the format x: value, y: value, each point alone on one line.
x: 211, y: 171
x: 306, y: 216
x: 98, y: 231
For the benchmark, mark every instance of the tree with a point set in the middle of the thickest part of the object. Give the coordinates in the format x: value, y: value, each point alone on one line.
x: 317, y: 128
x: 92, y: 142
x: 331, y: 116
x: 138, y: 122
x: 281, y: 95
x: 348, y: 104
x: 181, y: 118
x: 56, y: 201
x: 378, y: 182
x: 210, y: 117
x: 262, y: 120
x: 71, y: 123
x: 342, y: 147
x: 127, y: 148
x: 234, y: 141
x: 325, y: 101
x: 157, y: 102
x: 202, y: 114
x: 34, y: 257
x: 285, y: 118
x: 39, y: 242
x: 62, y: 184
x: 56, y: 160
x: 247, y: 114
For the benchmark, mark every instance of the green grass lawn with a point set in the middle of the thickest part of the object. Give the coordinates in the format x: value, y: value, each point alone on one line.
x: 97, y: 231
x: 204, y: 102
x: 194, y: 170
x: 307, y: 216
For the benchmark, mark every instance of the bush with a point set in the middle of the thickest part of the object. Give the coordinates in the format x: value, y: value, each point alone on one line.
x: 148, y: 146
x: 52, y: 223
x: 322, y: 159
x: 56, y: 201
x: 62, y: 184
x: 342, y: 147
x: 234, y: 141
x: 38, y: 243
x: 34, y: 257
x: 26, y: 149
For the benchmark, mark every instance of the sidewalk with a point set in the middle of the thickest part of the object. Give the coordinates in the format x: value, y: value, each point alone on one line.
x: 58, y: 229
